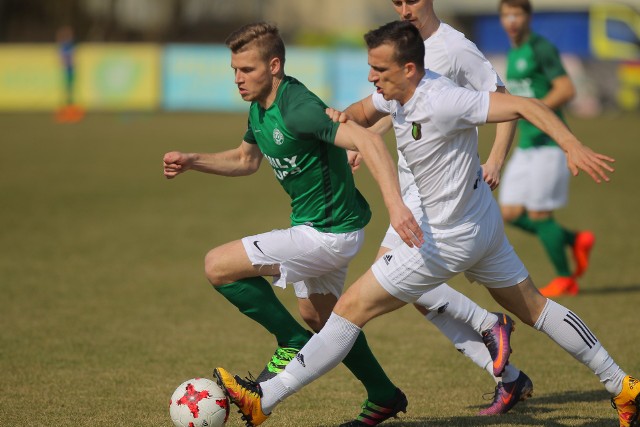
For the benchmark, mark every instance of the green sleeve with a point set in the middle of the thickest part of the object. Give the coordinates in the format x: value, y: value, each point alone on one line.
x: 311, y: 122
x: 549, y: 58
x: 248, y: 135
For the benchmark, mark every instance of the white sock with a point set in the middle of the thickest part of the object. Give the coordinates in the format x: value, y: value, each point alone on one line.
x: 510, y: 374
x: 324, y: 351
x: 444, y: 298
x: 570, y: 332
x: 469, y: 342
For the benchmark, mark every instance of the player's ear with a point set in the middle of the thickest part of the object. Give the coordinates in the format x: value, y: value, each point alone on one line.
x: 410, y: 69
x: 275, y: 65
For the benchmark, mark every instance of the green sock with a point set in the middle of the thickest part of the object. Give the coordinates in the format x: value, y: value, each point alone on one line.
x: 363, y: 364
x: 569, y: 237
x: 254, y: 297
x: 525, y: 223
x: 554, y: 239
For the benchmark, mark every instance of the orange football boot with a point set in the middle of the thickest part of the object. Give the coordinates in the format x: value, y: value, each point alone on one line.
x: 581, y: 251
x: 560, y: 286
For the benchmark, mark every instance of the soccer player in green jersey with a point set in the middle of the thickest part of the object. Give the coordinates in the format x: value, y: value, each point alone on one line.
x: 288, y: 127
x: 435, y: 125
x: 536, y: 181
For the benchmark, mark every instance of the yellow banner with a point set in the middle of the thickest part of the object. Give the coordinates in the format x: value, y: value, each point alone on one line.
x: 118, y: 76
x: 615, y: 31
x: 31, y: 78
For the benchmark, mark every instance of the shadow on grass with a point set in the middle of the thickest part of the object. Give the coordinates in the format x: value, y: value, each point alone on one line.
x: 525, y: 420
x: 526, y: 413
x: 613, y: 289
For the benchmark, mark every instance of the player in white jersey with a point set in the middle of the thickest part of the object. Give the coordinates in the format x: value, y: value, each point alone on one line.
x: 468, y: 326
x: 434, y: 121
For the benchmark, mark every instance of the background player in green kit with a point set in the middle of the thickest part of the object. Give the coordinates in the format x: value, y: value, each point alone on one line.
x: 536, y: 179
x: 288, y: 126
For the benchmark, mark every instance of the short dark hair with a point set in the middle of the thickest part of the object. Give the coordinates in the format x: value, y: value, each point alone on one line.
x: 404, y: 37
x: 266, y: 37
x: 522, y: 4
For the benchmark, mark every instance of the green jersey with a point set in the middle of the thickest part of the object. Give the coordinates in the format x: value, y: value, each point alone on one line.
x: 531, y: 68
x: 297, y: 138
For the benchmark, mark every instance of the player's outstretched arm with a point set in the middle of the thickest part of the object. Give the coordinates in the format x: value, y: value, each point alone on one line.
x: 504, y: 107
x: 365, y: 114
x: 375, y: 154
x: 505, y: 132
x: 240, y: 161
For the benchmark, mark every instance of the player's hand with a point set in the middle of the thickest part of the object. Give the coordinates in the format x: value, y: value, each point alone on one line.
x: 336, y: 115
x: 491, y: 175
x: 406, y: 226
x: 581, y: 157
x: 354, y: 158
x: 175, y: 163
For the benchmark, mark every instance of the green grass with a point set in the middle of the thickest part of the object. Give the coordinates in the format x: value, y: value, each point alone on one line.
x: 104, y: 308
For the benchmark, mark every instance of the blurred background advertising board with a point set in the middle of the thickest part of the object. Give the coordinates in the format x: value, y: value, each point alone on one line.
x: 143, y: 55
x: 30, y: 78
x: 349, y: 75
x: 118, y: 76
x: 199, y: 77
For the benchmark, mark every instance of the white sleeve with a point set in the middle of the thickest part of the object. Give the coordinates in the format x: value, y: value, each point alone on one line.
x: 472, y: 69
x: 459, y: 108
x: 380, y: 104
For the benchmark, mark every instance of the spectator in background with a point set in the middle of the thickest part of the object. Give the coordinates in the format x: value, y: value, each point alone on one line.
x: 536, y: 180
x: 69, y: 112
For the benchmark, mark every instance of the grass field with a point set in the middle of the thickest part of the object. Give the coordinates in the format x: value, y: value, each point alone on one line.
x: 104, y: 308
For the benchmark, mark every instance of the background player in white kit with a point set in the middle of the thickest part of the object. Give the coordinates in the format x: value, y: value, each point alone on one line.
x: 449, y: 53
x: 434, y: 121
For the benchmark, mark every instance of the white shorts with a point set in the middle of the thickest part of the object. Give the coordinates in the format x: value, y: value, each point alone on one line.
x: 315, y: 262
x: 536, y: 178
x: 412, y: 199
x: 481, y: 251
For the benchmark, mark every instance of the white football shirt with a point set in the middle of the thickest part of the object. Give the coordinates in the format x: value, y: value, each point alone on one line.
x: 436, y: 135
x: 449, y: 53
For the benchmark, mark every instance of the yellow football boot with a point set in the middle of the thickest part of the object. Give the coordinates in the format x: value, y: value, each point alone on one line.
x: 245, y: 394
x: 627, y: 402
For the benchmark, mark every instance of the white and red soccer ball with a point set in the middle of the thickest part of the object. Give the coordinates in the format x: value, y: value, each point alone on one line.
x: 199, y: 402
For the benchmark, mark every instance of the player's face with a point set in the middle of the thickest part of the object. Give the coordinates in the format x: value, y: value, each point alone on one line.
x: 252, y: 75
x: 415, y: 11
x: 515, y: 22
x: 387, y: 75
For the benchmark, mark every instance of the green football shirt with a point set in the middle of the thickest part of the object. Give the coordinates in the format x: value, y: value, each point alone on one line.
x: 297, y: 139
x: 531, y: 68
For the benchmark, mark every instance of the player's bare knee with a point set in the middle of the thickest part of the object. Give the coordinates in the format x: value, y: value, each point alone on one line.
x: 540, y: 215
x: 346, y: 304
x: 511, y: 213
x: 508, y: 216
x: 214, y: 270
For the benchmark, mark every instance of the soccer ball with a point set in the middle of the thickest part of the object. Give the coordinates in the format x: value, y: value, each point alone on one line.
x: 199, y: 402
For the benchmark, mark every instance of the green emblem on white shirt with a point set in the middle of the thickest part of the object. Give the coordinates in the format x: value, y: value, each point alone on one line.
x: 416, y: 130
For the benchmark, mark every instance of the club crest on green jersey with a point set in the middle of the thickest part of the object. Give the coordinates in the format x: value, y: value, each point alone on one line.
x: 521, y: 64
x: 278, y: 137
x: 416, y: 130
